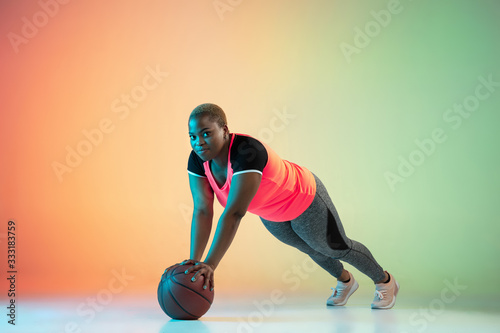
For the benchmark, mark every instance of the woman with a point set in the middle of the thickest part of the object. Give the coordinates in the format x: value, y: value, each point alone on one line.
x: 247, y: 175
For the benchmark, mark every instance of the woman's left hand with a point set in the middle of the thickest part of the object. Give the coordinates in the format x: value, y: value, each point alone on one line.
x: 204, y: 269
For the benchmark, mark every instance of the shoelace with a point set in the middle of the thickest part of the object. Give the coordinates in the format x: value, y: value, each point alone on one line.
x: 336, y: 292
x: 380, y: 294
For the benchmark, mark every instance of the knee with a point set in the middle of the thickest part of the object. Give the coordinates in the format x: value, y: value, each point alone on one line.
x: 338, y: 246
x: 334, y: 238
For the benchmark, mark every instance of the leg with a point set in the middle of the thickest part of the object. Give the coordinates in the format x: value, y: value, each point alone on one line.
x: 320, y: 227
x: 284, y: 232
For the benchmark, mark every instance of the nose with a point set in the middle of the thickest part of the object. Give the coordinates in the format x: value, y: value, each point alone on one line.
x: 200, y: 142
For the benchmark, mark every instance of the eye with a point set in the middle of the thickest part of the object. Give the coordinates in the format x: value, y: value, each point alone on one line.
x: 206, y: 134
x: 191, y: 137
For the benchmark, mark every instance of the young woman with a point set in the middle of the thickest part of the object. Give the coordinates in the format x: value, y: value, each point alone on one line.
x: 247, y: 175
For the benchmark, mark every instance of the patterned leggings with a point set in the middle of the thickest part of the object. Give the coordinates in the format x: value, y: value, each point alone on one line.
x: 319, y: 233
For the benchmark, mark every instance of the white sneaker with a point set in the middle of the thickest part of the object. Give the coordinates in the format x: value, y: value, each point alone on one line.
x: 385, y: 294
x: 342, y: 292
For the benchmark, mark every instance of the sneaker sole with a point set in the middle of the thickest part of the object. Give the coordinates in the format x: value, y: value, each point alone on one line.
x: 353, y: 289
x: 390, y: 305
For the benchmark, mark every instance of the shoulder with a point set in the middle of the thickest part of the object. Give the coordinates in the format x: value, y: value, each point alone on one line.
x: 248, y: 153
x: 243, y: 144
x: 195, y: 165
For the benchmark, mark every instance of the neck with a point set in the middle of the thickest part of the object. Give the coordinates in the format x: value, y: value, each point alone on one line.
x: 221, y: 160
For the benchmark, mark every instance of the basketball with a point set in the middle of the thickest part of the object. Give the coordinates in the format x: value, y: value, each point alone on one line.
x: 180, y: 298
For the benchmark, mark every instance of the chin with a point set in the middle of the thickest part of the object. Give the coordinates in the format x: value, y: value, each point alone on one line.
x: 205, y: 158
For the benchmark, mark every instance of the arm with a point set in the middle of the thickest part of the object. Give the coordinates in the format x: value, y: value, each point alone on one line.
x: 244, y: 186
x: 201, y: 224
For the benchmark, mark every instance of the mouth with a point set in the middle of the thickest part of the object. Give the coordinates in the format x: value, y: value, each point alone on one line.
x: 201, y: 151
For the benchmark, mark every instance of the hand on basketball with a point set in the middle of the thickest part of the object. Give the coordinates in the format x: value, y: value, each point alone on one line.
x: 189, y: 262
x: 204, y: 269
x: 185, y: 262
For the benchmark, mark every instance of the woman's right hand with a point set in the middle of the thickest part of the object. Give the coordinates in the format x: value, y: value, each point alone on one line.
x: 189, y: 262
x: 185, y: 262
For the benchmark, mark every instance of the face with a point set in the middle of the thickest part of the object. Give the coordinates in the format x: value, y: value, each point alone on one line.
x: 206, y: 137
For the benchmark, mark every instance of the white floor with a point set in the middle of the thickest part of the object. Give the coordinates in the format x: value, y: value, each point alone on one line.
x: 247, y: 315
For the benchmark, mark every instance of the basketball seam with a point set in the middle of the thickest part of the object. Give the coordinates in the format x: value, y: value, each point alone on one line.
x: 173, y: 272
x: 175, y: 300
x: 177, y: 273
x: 180, y: 284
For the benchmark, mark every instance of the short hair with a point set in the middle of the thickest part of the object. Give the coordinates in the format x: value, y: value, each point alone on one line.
x: 213, y: 111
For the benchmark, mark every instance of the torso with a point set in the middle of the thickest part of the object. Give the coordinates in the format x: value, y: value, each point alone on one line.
x: 285, y: 191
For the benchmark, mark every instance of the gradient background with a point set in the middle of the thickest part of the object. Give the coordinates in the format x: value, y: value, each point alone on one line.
x: 127, y: 205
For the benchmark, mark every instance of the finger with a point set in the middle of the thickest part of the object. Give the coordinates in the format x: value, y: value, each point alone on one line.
x: 206, y: 273
x: 199, y: 272
x: 189, y: 262
x: 192, y: 269
x: 207, y: 284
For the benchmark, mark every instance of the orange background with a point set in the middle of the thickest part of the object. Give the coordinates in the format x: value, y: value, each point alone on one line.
x: 127, y: 204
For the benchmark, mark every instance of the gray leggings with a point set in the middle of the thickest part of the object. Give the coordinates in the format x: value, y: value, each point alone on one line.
x: 318, y: 233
